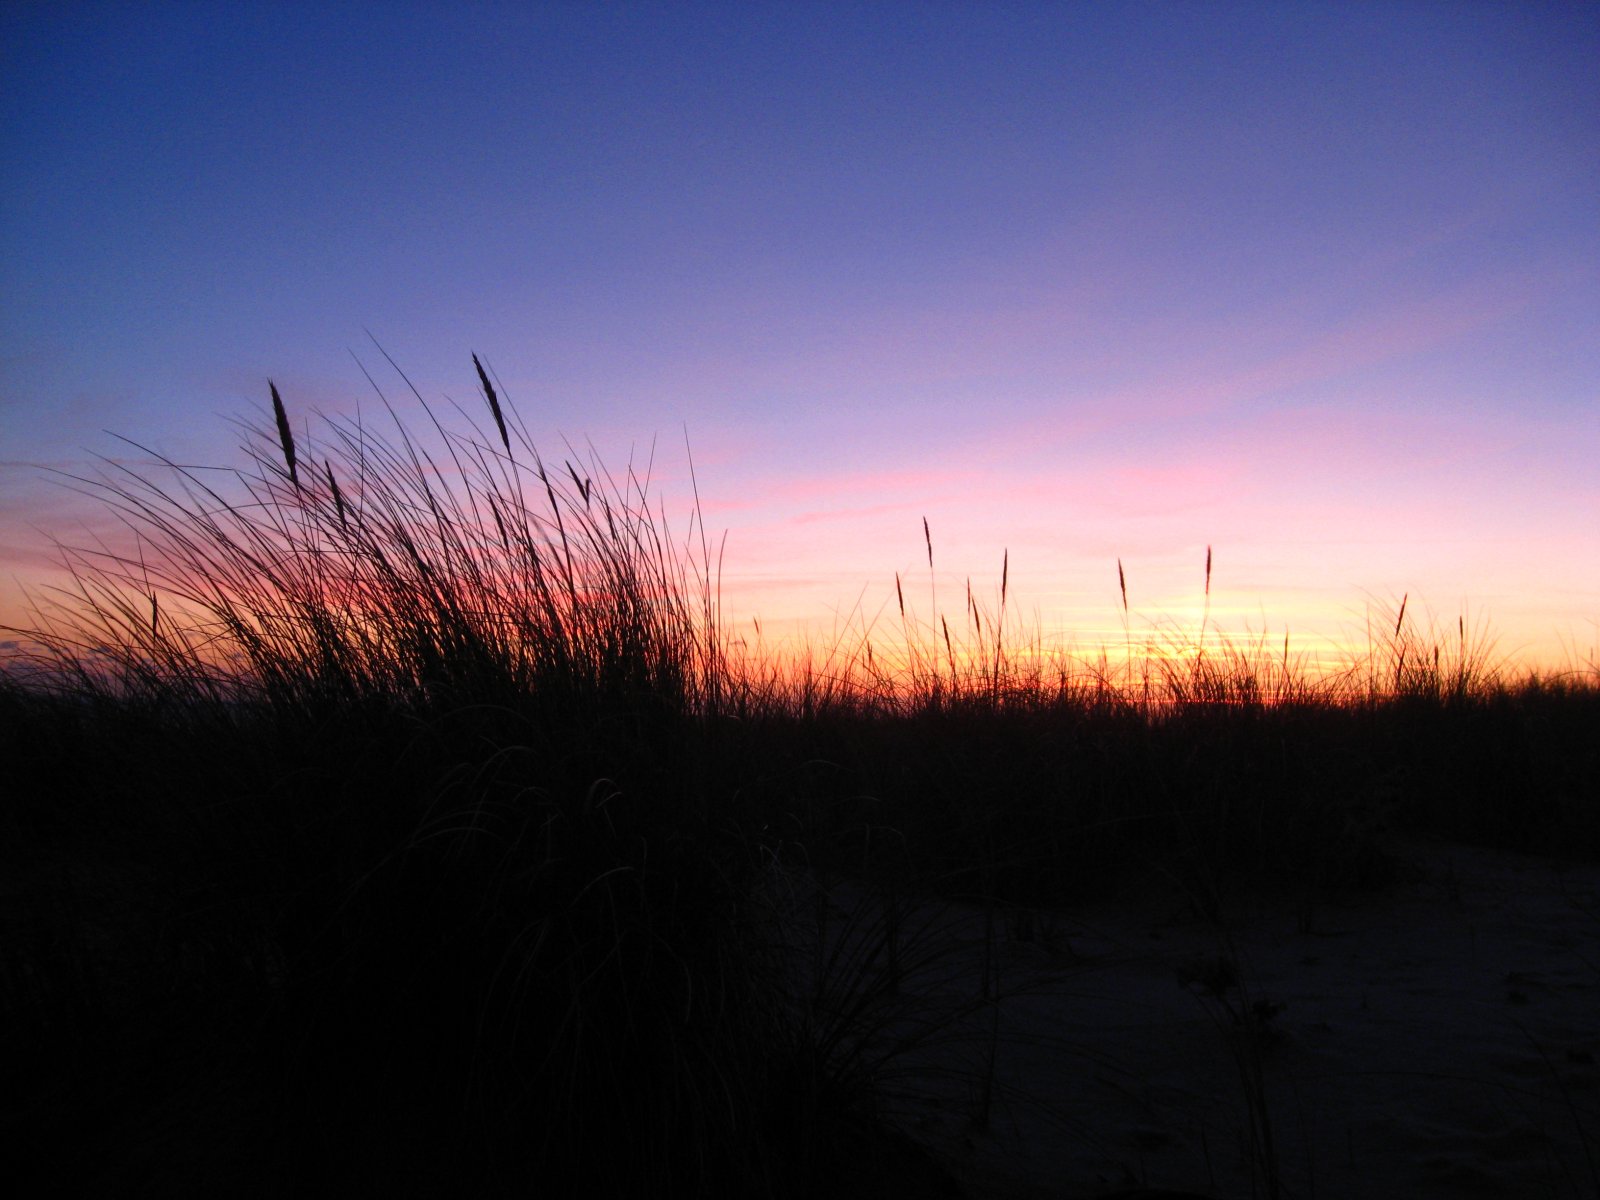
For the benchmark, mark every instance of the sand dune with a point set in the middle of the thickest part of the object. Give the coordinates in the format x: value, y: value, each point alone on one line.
x: 1438, y: 1040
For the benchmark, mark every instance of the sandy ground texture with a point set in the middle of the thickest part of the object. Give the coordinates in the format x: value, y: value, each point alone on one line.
x: 1437, y: 1040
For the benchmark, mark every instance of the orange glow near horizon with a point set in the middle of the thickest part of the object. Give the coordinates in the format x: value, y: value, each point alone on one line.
x: 871, y: 646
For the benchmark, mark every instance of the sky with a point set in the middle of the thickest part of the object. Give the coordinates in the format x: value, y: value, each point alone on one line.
x: 1314, y: 285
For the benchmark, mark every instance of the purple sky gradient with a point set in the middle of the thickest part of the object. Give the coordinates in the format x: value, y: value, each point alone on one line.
x: 1318, y: 285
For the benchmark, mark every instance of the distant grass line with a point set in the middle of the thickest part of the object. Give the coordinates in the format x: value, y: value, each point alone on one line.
x: 404, y: 818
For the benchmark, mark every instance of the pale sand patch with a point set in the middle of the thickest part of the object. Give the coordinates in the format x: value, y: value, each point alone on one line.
x: 1438, y: 1040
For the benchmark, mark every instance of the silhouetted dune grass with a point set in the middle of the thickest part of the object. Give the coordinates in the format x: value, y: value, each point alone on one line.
x: 395, y: 819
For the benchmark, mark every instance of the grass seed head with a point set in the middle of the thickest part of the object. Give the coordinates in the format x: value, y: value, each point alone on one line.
x: 285, y: 437
x: 494, y: 403
x: 338, y: 497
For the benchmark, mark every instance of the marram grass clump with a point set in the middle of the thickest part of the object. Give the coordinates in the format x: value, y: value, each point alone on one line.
x: 376, y: 794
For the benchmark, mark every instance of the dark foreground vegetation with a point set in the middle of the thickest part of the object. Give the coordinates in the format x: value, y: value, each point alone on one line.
x: 396, y: 823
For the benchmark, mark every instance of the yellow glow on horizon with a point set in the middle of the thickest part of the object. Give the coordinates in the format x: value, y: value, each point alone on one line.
x: 1076, y: 640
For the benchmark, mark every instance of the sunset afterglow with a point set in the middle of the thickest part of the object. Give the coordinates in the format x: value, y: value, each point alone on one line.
x: 1312, y: 288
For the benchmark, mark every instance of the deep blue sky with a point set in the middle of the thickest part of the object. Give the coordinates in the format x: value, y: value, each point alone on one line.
x: 1319, y: 284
